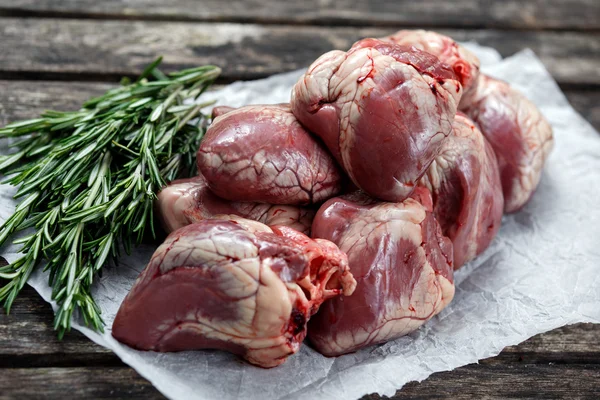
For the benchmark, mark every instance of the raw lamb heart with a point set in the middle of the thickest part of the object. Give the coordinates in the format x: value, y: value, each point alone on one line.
x: 464, y: 63
x: 383, y: 110
x: 188, y: 201
x: 402, y: 264
x: 466, y: 189
x: 262, y: 154
x: 232, y: 284
x: 519, y: 134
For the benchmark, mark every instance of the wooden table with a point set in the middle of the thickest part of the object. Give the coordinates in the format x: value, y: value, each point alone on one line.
x: 56, y: 54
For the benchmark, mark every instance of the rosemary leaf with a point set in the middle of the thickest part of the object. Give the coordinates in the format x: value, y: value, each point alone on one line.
x: 87, y: 180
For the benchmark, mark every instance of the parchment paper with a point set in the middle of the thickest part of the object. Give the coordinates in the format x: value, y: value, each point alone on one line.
x: 540, y: 273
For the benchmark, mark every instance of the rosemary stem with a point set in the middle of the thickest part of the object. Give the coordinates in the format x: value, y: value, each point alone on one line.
x: 87, y: 179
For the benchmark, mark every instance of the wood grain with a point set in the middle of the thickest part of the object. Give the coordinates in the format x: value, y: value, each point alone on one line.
x: 572, y: 344
x: 506, y: 382
x: 531, y: 14
x: 73, y: 49
x: 75, y: 383
x: 21, y: 100
x: 473, y: 381
x: 587, y: 103
x: 27, y: 338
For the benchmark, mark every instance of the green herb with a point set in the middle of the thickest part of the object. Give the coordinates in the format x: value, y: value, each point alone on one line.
x: 87, y: 181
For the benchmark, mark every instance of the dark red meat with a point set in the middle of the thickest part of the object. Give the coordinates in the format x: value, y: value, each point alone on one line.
x: 262, y: 154
x: 519, y: 134
x: 235, y: 285
x: 466, y: 188
x: 383, y: 110
x: 464, y: 63
x: 402, y: 264
x: 220, y: 110
x: 189, y: 201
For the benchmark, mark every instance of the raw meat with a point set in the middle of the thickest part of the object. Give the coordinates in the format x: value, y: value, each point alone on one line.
x: 220, y: 110
x: 401, y: 261
x: 466, y: 189
x: 517, y: 131
x: 464, y: 63
x: 235, y: 285
x: 519, y: 134
x: 262, y: 154
x: 188, y: 201
x: 383, y: 110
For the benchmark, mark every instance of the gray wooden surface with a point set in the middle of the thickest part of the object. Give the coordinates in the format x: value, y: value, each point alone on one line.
x: 55, y: 54
x: 75, y: 49
x: 506, y: 14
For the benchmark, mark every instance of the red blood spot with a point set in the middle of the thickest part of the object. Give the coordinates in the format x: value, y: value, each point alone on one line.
x: 297, y: 322
x: 433, y: 88
x: 362, y: 78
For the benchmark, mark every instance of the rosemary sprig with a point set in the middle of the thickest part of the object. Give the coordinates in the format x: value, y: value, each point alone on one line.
x: 87, y: 181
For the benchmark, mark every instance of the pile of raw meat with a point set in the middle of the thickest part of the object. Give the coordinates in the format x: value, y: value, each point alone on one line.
x: 341, y: 216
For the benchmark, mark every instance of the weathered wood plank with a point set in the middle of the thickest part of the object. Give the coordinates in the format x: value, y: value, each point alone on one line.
x: 538, y: 14
x: 78, y: 49
x: 473, y: 381
x: 27, y: 99
x: 573, y: 344
x: 22, y: 334
x: 75, y: 383
x: 28, y: 343
x: 506, y: 382
x: 587, y: 103
x: 20, y: 100
x: 27, y: 338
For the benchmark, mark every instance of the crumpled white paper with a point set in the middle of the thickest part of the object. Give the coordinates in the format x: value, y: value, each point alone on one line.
x: 541, y: 272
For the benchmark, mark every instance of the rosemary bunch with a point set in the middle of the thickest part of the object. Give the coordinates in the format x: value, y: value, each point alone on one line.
x: 87, y: 181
